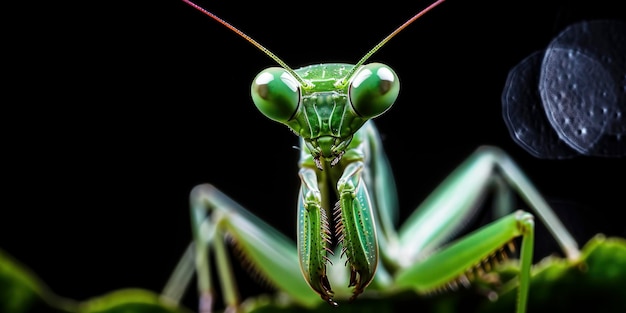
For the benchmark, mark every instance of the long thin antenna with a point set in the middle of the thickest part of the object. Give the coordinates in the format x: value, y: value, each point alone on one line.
x: 289, y: 69
x: 386, y: 39
x: 250, y: 40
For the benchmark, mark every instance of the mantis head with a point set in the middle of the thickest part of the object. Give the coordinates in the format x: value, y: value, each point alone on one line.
x: 325, y: 104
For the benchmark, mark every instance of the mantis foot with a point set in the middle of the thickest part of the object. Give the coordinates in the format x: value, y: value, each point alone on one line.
x: 328, y: 292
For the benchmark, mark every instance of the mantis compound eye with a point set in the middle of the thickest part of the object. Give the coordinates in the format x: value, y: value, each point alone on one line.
x: 276, y: 94
x: 373, y: 90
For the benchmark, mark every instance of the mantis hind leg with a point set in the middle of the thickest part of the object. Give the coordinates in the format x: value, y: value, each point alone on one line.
x: 216, y: 217
x: 448, y: 207
x: 427, y: 266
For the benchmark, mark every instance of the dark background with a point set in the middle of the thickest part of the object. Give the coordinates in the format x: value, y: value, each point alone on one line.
x: 114, y: 110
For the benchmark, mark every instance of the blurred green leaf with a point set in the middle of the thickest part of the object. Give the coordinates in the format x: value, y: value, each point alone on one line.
x: 596, y: 283
x: 22, y: 291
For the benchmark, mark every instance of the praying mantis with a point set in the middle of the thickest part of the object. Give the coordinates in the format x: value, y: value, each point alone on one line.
x: 246, y: 178
x: 347, y: 241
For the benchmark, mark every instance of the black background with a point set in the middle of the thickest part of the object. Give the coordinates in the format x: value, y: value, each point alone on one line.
x: 114, y: 110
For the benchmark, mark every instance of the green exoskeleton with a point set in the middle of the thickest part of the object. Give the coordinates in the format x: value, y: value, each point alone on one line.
x: 347, y: 201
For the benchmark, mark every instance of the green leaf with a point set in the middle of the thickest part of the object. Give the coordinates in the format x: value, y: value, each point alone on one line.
x: 22, y: 291
x: 597, y: 282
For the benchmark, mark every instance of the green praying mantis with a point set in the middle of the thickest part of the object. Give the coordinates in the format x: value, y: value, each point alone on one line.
x: 413, y: 261
x: 347, y: 243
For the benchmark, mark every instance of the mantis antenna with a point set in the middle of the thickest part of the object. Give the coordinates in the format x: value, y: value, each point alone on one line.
x: 289, y: 69
x: 386, y: 39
